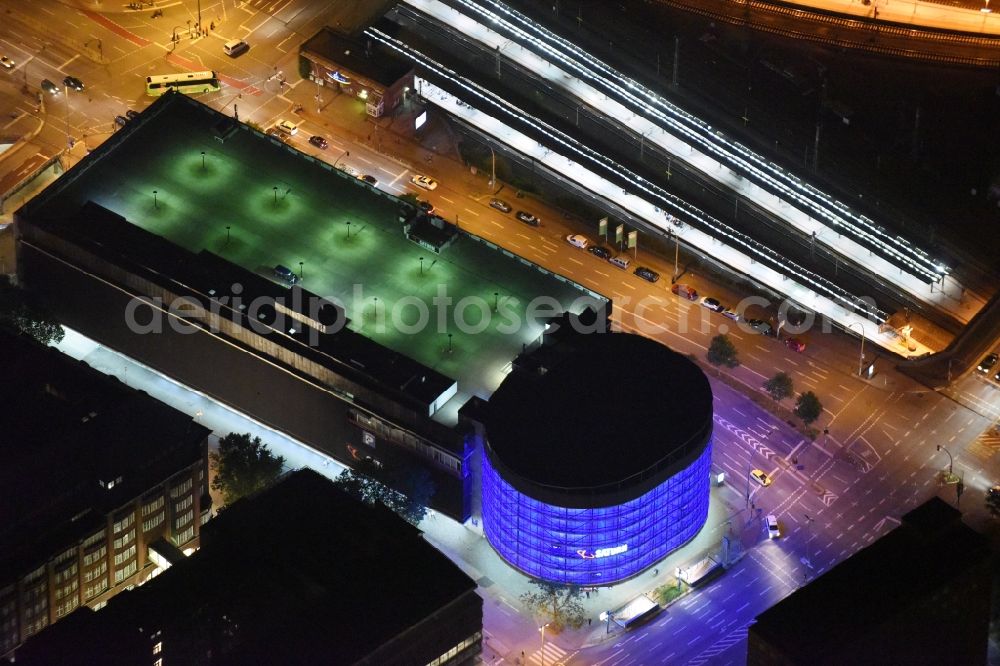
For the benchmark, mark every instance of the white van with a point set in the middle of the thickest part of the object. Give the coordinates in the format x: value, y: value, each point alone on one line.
x: 236, y: 47
x: 621, y: 261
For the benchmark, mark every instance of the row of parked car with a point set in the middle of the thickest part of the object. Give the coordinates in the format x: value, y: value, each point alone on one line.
x: 622, y: 261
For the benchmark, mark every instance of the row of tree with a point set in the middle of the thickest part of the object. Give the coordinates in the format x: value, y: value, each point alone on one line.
x: 244, y: 465
x: 722, y: 352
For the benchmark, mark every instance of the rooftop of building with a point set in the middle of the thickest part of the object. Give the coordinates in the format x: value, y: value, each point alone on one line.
x: 300, y: 573
x: 343, y: 236
x: 601, y: 409
x: 68, y: 432
x: 930, y: 548
x: 357, y: 55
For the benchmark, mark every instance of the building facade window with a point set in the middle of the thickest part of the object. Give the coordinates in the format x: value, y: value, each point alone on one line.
x: 181, y: 521
x: 183, y: 504
x: 96, y: 572
x: 124, y: 523
x: 95, y: 555
x: 125, y: 555
x: 97, y: 588
x: 122, y: 574
x: 93, y: 539
x: 184, y: 536
x: 181, y: 488
x: 150, y: 507
x: 153, y: 522
x: 124, y: 539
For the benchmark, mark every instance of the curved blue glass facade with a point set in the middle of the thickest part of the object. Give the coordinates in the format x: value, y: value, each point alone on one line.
x: 600, y: 545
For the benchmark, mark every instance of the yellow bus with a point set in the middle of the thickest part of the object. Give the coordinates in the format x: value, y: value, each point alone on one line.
x: 189, y: 82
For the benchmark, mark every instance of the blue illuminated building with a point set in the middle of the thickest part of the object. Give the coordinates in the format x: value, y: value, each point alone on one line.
x: 596, y: 459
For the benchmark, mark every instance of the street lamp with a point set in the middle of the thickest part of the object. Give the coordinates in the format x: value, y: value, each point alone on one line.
x: 861, y: 358
x: 421, y: 265
x: 301, y: 274
x: 348, y: 228
x: 275, y: 188
x: 951, y: 460
x: 155, y: 204
x: 227, y: 234
x: 203, y: 160
x: 346, y: 153
x: 542, y: 629
x: 493, y: 162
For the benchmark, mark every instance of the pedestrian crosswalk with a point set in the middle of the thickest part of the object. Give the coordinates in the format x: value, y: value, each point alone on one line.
x: 550, y: 655
x: 986, y: 445
x: 721, y: 645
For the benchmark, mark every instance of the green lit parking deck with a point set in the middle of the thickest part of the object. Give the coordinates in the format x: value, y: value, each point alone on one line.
x: 260, y: 203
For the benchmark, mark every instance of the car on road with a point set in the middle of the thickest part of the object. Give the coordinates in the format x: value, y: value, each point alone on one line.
x: 50, y: 87
x: 285, y: 274
x: 576, y: 240
x: 987, y: 363
x: 235, y: 48
x: 425, y: 206
x: 500, y: 205
x: 527, y: 218
x: 319, y: 141
x: 731, y: 314
x: 424, y: 182
x: 684, y: 291
x: 795, y: 344
x: 772, y: 526
x: 712, y: 304
x: 6, y: 62
x: 760, y: 477
x: 368, y: 178
x: 277, y: 134
x: 287, y: 126
x: 760, y: 326
x: 647, y: 274
x: 131, y: 115
x: 600, y: 252
x: 74, y: 83
x: 121, y: 121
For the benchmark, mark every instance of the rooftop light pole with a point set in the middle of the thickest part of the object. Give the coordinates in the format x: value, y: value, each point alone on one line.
x: 203, y: 160
x: 155, y: 204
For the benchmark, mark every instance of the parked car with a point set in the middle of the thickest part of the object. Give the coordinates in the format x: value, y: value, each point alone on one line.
x: 527, y: 218
x: 731, y: 314
x: 598, y: 251
x: 131, y: 115
x: 576, y: 240
x: 760, y: 326
x: 684, y: 291
x: 74, y: 83
x: 277, y: 134
x: 500, y: 205
x: 647, y: 274
x: 371, y: 180
x: 287, y: 126
x: 424, y: 182
x: 772, y: 526
x: 6, y: 62
x: 425, y: 206
x: 319, y: 141
x: 50, y: 87
x: 712, y: 304
x: 987, y: 363
x: 621, y: 261
x: 121, y: 121
x: 760, y: 477
x: 285, y: 274
x: 795, y: 344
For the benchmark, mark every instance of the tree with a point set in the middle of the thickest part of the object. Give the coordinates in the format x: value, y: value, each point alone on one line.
x: 407, y: 492
x: 779, y: 387
x: 20, y: 312
x: 243, y: 466
x: 558, y: 604
x: 808, y: 407
x: 722, y: 351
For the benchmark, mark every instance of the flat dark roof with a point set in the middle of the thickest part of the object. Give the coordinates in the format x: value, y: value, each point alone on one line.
x: 65, y: 429
x: 928, y: 549
x: 301, y: 572
x: 359, y: 55
x: 617, y: 405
